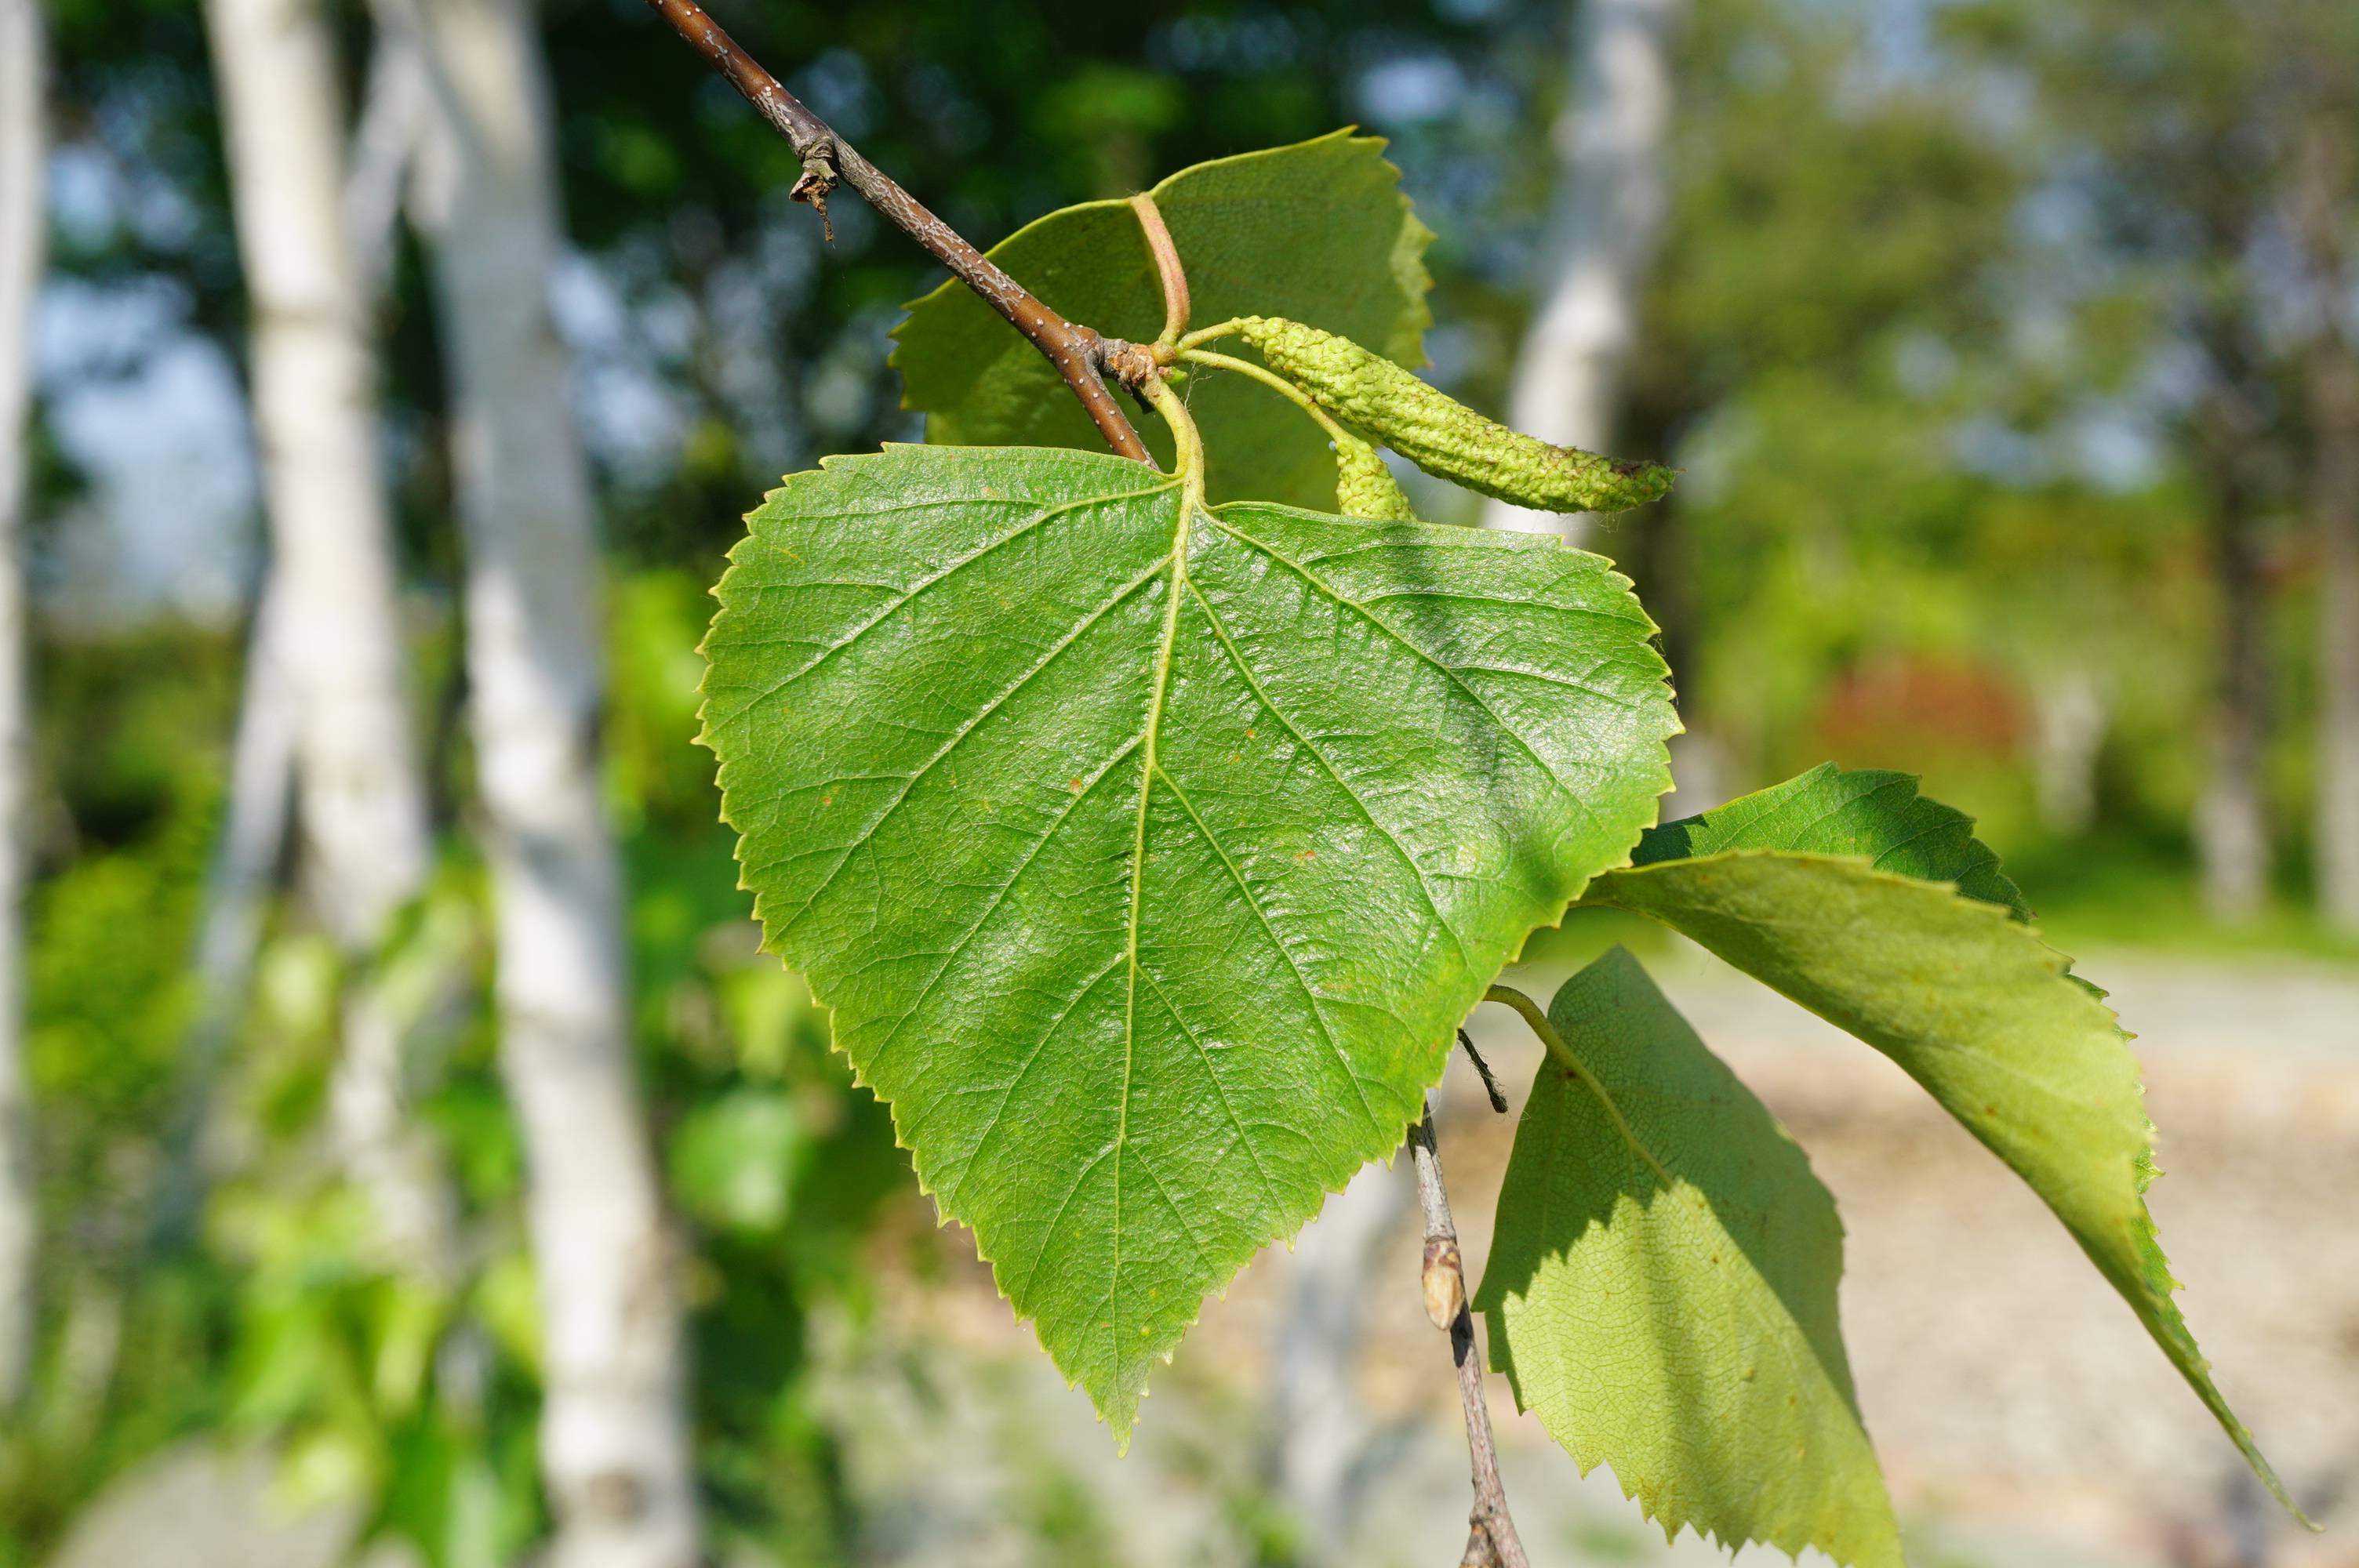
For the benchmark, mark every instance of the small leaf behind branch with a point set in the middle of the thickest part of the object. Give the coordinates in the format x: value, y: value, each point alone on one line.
x: 1661, y: 1287
x: 1319, y: 231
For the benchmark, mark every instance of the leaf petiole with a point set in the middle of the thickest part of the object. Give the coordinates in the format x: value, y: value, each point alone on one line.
x: 1206, y: 334
x: 1276, y: 382
x: 1537, y: 1017
x: 1166, y: 269
x: 1189, y: 460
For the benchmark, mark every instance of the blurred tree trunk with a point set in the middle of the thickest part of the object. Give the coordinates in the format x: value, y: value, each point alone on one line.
x: 614, y: 1441
x: 1614, y: 195
x: 2069, y: 713
x: 2334, y: 507
x: 1323, y: 1452
x: 247, y: 856
x: 245, y: 861
x: 385, y: 154
x: 24, y: 229
x: 2231, y: 827
x: 361, y: 806
x: 2330, y: 375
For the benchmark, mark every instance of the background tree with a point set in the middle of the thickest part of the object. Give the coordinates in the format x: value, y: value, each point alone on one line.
x: 2211, y: 166
x: 614, y: 1429
x: 2325, y: 159
x: 24, y: 142
x: 1611, y: 141
x: 361, y: 801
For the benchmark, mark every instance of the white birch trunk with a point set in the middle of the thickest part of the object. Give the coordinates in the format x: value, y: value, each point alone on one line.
x: 262, y: 753
x: 362, y: 812
x: 1614, y: 194
x: 385, y: 145
x: 361, y: 802
x: 237, y: 889
x: 24, y: 229
x: 614, y: 1442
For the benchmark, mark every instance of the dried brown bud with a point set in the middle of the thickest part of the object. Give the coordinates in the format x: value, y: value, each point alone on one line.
x: 1445, y: 1282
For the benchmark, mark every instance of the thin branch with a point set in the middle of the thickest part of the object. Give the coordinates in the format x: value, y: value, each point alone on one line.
x: 1490, y: 1083
x: 1492, y: 1540
x: 1166, y: 266
x: 828, y: 161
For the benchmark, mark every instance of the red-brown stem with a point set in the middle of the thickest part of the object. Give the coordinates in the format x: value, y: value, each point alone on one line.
x: 1166, y: 266
x: 828, y: 158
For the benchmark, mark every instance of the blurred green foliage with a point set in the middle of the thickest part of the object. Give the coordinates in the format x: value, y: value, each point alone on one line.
x: 286, y: 1320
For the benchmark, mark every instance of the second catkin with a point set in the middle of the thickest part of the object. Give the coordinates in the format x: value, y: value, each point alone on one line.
x: 1365, y: 488
x: 1442, y: 435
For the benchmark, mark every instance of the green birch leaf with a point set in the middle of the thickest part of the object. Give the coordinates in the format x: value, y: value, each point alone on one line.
x: 1661, y: 1288
x: 1957, y: 990
x: 1149, y: 855
x: 1837, y: 811
x: 1319, y: 231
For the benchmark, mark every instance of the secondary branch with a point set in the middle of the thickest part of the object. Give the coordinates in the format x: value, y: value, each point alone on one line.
x: 1491, y: 1541
x: 828, y: 159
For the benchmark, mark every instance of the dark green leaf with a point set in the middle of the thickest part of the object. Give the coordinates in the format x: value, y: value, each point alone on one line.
x: 1147, y: 859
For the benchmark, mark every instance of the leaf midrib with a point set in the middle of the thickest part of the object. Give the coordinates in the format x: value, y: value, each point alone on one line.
x: 1191, y: 498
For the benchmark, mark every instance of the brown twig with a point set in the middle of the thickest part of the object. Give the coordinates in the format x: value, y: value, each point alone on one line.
x: 828, y: 161
x: 1491, y: 1541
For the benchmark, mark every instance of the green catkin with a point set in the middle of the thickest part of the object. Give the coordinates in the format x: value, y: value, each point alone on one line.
x: 1442, y: 435
x: 1364, y: 487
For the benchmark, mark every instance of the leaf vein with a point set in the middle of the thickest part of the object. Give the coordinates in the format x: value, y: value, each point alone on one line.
x: 1236, y: 657
x: 1030, y: 523
x: 967, y: 729
x: 1311, y: 994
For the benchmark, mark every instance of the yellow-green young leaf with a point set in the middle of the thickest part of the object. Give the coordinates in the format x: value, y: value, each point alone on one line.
x: 1442, y: 435
x: 1319, y: 231
x: 1365, y: 488
x: 1661, y: 1288
x: 1962, y: 994
x: 1149, y: 855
